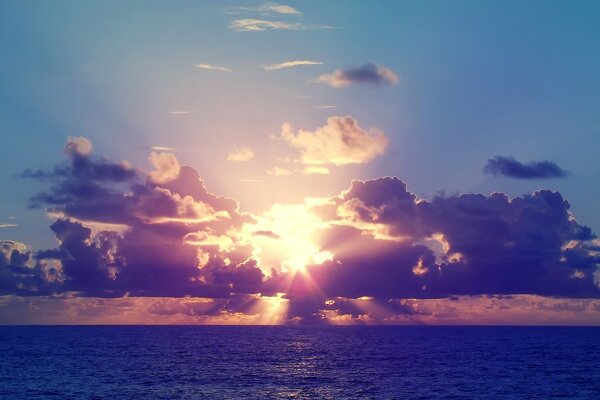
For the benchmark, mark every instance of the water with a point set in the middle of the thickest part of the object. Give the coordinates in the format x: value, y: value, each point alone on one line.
x: 299, y: 362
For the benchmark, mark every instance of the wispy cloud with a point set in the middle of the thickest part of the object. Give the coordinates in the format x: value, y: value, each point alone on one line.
x: 162, y: 148
x: 325, y: 107
x: 253, y: 24
x: 213, y: 67
x: 8, y: 225
x: 265, y: 8
x: 368, y: 73
x: 240, y: 154
x: 289, y: 64
x: 316, y: 169
x: 179, y: 112
x: 278, y: 171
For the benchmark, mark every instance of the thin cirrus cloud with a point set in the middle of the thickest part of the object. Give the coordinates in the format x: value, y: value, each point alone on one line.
x: 370, y: 246
x: 369, y: 74
x: 340, y: 141
x: 254, y: 24
x: 213, y: 67
x: 162, y: 148
x: 511, y: 168
x: 266, y: 8
x: 240, y: 154
x: 290, y: 64
x: 8, y: 225
x: 180, y: 112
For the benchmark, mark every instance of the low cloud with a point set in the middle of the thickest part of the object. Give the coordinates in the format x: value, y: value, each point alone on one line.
x: 349, y: 258
x: 289, y: 64
x: 511, y: 168
x: 369, y: 73
x: 341, y: 141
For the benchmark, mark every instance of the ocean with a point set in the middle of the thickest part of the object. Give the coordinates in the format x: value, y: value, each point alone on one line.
x: 343, y: 362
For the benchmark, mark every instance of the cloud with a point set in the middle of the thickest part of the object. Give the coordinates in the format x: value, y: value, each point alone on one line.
x: 162, y: 148
x: 341, y: 141
x: 368, y: 73
x: 278, y: 8
x: 213, y: 67
x: 468, y: 244
x: 278, y: 171
x: 370, y: 254
x: 179, y: 112
x: 315, y: 169
x: 8, y: 225
x: 78, y: 145
x: 152, y: 255
x: 325, y: 107
x: 266, y: 8
x: 511, y: 168
x: 166, y: 166
x: 289, y: 64
x: 252, y: 24
x: 240, y: 154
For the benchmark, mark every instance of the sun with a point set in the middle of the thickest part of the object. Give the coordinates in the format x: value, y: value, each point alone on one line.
x: 286, y: 239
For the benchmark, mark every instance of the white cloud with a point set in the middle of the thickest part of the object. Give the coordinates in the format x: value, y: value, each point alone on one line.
x: 277, y: 171
x: 289, y: 64
x: 213, y: 67
x: 166, y: 167
x: 278, y: 8
x: 266, y: 8
x: 8, y: 225
x: 325, y: 107
x: 240, y: 154
x: 341, y: 141
x: 179, y: 112
x: 253, y: 24
x: 316, y: 169
x: 162, y: 148
x: 78, y: 145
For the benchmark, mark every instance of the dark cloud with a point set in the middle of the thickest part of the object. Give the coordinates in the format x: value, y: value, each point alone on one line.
x: 140, y: 244
x: 368, y: 73
x: 511, y: 168
x: 127, y: 234
x: 526, y: 245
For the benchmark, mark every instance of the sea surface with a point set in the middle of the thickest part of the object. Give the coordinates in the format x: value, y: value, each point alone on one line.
x: 358, y: 362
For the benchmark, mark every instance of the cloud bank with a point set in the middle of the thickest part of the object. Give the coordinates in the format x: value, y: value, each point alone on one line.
x: 367, y: 254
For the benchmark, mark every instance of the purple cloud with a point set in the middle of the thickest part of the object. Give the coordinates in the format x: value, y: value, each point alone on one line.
x: 511, y: 168
x: 124, y: 232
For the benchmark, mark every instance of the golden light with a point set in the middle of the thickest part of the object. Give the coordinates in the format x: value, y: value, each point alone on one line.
x: 285, y: 240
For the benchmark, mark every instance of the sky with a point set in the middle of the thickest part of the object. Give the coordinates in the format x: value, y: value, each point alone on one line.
x: 339, y: 162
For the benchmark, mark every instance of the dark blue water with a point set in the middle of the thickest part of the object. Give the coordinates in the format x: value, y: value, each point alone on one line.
x: 299, y: 362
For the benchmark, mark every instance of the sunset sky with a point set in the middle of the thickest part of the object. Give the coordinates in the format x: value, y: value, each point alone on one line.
x: 337, y: 162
